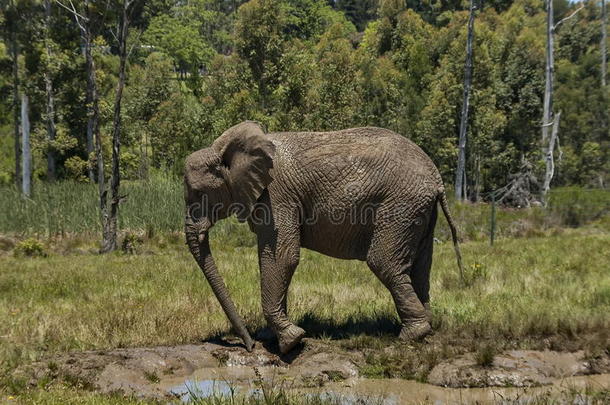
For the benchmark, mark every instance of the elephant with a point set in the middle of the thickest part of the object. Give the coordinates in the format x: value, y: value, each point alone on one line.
x: 367, y: 194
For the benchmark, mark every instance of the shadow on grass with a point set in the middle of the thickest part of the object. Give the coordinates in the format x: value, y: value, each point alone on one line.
x: 317, y: 328
x: 326, y: 328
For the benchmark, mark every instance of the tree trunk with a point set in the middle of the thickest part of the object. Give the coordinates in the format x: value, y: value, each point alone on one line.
x: 50, y: 116
x: 93, y: 133
x: 547, y: 114
x: 604, y: 46
x: 547, y: 118
x: 26, y: 185
x: 549, y: 161
x: 109, y: 242
x: 15, y: 63
x: 460, y: 174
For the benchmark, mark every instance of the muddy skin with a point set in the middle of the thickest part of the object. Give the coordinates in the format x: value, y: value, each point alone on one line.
x: 165, y: 372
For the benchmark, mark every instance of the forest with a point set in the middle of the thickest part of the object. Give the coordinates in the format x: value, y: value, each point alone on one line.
x: 194, y: 68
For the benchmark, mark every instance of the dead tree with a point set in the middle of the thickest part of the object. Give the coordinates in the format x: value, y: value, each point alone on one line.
x: 26, y: 183
x: 460, y: 173
x: 50, y: 113
x: 549, y: 160
x: 109, y: 242
x: 547, y: 115
x: 520, y: 190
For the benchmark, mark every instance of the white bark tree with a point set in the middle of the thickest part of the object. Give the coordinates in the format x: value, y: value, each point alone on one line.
x: 26, y: 182
x: 548, y: 118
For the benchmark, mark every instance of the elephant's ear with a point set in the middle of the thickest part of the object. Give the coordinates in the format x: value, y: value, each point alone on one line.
x: 248, y: 154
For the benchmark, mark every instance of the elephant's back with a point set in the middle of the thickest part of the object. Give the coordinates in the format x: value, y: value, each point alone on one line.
x: 354, y: 153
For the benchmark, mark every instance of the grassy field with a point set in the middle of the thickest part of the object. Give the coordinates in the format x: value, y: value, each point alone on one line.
x: 542, y: 285
x: 540, y: 292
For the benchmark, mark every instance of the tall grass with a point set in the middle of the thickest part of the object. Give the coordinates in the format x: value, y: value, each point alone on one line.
x: 70, y: 207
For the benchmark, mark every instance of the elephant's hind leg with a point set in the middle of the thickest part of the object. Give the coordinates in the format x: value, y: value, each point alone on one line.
x: 278, y: 261
x: 420, y: 274
x: 388, y: 260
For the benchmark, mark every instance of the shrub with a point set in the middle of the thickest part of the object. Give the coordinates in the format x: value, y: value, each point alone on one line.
x: 130, y: 243
x: 30, y: 248
x: 485, y: 355
x: 76, y: 168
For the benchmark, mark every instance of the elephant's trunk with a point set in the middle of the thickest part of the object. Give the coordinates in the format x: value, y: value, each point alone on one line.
x: 200, y: 248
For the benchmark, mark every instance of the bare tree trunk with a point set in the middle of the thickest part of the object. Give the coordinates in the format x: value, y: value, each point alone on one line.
x: 547, y: 113
x: 15, y: 63
x: 460, y: 174
x: 50, y: 116
x: 550, y: 162
x: 26, y: 185
x: 604, y: 46
x: 547, y: 144
x: 550, y: 63
x: 109, y: 242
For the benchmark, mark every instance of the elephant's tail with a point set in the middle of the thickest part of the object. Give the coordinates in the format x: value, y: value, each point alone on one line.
x: 456, y: 244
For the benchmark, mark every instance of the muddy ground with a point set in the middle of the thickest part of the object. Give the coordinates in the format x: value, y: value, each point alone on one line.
x: 217, y: 367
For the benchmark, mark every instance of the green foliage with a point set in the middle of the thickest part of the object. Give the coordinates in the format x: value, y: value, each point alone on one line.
x: 180, y: 41
x: 199, y: 67
x: 76, y: 168
x: 30, y: 248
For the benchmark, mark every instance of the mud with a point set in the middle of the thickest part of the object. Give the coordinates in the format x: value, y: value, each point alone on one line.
x: 221, y: 368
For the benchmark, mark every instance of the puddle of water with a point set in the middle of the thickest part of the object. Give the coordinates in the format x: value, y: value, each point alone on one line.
x: 199, y: 389
x: 397, y: 391
x: 360, y: 391
x: 193, y: 389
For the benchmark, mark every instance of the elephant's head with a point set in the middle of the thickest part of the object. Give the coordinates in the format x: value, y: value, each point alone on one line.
x: 226, y: 178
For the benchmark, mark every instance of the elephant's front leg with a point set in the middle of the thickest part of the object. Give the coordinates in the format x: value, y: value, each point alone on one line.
x: 278, y: 261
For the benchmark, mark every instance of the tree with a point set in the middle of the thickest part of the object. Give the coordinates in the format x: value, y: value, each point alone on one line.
x: 604, y: 45
x: 460, y: 173
x: 181, y: 41
x: 84, y: 19
x: 50, y: 110
x: 11, y: 24
x: 26, y: 183
x: 259, y: 40
x: 548, y: 118
x: 110, y: 214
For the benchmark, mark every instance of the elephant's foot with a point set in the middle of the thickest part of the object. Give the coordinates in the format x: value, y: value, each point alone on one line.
x: 289, y: 338
x: 415, y: 331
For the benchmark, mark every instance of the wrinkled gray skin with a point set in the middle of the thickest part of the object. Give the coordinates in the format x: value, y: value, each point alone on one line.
x: 364, y: 193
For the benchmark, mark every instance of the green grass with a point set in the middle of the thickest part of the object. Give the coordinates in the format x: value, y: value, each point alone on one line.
x: 542, y: 285
x: 552, y: 286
